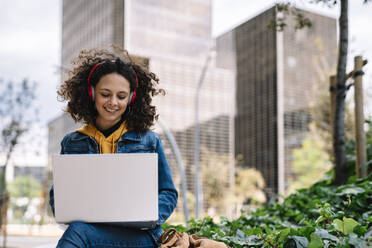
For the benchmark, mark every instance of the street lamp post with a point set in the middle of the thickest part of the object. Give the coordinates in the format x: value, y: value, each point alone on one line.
x: 178, y: 157
x: 198, y: 183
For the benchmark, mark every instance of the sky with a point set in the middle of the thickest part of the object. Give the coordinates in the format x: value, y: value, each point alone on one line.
x: 30, y: 39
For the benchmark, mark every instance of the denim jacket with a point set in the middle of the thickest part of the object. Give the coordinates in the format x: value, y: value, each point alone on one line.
x: 131, y: 142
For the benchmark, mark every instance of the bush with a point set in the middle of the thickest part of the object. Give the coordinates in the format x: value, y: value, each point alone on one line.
x: 321, y: 216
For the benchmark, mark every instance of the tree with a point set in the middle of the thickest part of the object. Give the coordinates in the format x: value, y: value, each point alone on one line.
x: 16, y: 102
x: 351, y: 151
x: 339, y: 125
x: 16, y: 117
x: 310, y: 162
x: 217, y: 191
x: 249, y: 186
x: 320, y: 126
x: 215, y: 177
x: 23, y: 188
x: 312, y: 159
x: 341, y: 174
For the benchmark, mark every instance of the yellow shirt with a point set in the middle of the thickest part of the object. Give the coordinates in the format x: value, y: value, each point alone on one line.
x: 106, y: 145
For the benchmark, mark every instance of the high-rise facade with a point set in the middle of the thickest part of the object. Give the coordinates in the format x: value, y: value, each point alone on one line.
x: 176, y: 40
x: 148, y: 28
x: 276, y: 72
x: 90, y: 24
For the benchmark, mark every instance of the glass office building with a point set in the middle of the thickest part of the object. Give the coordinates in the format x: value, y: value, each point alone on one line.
x: 276, y: 72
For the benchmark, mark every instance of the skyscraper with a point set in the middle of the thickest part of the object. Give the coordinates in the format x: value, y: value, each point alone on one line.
x: 275, y: 75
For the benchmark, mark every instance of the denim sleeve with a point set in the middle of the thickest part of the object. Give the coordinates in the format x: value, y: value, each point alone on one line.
x: 168, y: 195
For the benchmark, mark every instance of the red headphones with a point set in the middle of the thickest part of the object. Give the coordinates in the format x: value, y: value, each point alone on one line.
x: 132, y: 95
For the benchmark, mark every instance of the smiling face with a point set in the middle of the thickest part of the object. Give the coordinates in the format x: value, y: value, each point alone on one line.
x: 111, y: 99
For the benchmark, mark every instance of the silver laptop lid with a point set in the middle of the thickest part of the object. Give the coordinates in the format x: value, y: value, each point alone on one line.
x: 117, y: 188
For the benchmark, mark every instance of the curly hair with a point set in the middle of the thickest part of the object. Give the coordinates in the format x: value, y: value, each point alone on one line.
x: 139, y: 116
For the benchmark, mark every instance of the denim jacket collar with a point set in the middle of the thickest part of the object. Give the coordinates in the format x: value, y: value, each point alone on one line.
x: 79, y: 136
x: 132, y: 136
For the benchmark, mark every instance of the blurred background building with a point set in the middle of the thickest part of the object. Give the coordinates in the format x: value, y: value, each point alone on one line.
x: 276, y: 73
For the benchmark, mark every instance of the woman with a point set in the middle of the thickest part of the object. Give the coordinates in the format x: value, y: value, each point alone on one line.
x: 112, y: 96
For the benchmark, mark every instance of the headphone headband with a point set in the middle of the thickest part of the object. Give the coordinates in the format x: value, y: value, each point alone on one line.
x: 90, y: 88
x: 133, y: 94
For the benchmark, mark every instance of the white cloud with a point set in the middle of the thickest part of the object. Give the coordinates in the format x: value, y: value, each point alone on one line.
x: 30, y: 47
x: 227, y: 13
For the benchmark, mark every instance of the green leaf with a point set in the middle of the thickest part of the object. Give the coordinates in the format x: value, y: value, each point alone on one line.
x: 352, y: 191
x: 325, y: 235
x: 320, y: 219
x: 326, y: 243
x: 242, y: 239
x: 240, y: 234
x: 283, y: 234
x: 253, y: 240
x: 315, y: 241
x: 296, y: 242
x: 356, y: 242
x: 299, y: 217
x: 346, y: 225
x: 339, y: 225
x: 306, y: 231
x: 369, y: 233
x: 349, y: 225
x: 360, y: 230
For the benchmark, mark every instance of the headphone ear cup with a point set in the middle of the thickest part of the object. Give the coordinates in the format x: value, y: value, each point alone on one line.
x: 130, y: 98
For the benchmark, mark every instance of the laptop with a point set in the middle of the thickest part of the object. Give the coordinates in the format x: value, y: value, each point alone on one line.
x: 117, y: 188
